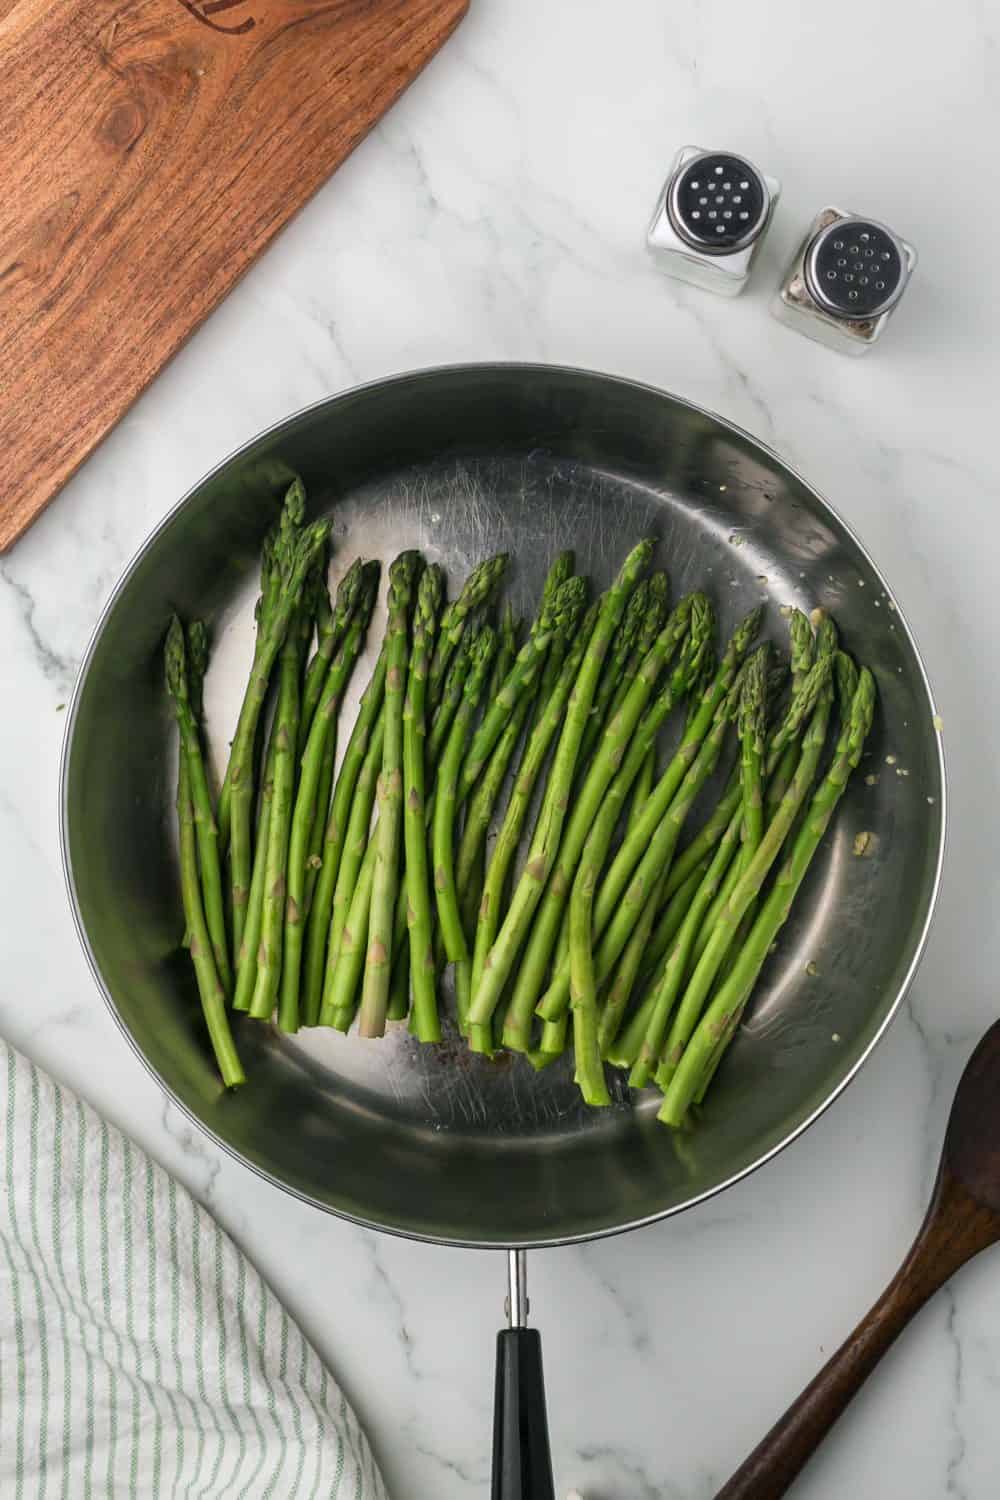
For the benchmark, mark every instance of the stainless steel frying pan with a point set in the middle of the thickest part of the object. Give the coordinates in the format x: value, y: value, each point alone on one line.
x: 434, y: 1142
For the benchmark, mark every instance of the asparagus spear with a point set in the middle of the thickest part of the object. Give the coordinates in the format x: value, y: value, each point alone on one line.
x: 800, y: 635
x: 274, y: 554
x: 378, y: 959
x: 752, y: 731
x: 549, y: 721
x: 619, y: 654
x: 657, y: 611
x: 595, y: 850
x: 545, y: 841
x: 722, y: 1015
x: 331, y: 627
x: 300, y: 560
x: 322, y: 734
x: 427, y: 1025
x: 349, y: 923
x: 670, y: 919
x: 782, y: 758
x: 176, y: 656
x: 643, y: 835
x: 246, y: 963
x: 625, y: 974
x: 745, y: 891
x: 350, y: 919
x: 691, y: 621
x: 445, y: 805
x: 451, y: 697
x: 588, y: 970
x: 505, y: 653
x: 752, y: 723
x: 802, y: 705
x: 480, y: 586
x: 643, y: 787
x: 314, y: 859
x: 285, y: 733
x: 213, y: 998
x: 566, y: 600
x: 279, y: 544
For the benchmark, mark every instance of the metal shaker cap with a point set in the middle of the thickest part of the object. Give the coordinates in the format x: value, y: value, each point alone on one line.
x: 855, y: 269
x: 718, y: 203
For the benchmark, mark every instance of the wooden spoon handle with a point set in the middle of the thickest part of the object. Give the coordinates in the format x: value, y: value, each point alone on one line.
x: 954, y: 1230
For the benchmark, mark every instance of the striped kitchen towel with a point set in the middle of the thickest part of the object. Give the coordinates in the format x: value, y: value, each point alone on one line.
x: 140, y: 1353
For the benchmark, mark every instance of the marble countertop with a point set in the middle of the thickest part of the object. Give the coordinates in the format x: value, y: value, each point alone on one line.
x: 499, y: 212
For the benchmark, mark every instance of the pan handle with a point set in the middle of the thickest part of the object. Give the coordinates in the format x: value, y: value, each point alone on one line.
x: 522, y: 1463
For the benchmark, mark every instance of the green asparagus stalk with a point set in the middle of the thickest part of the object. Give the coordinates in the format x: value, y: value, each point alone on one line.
x: 314, y: 860
x: 206, y: 832
x: 442, y: 721
x: 349, y: 921
x: 426, y: 1022
x: 641, y: 790
x: 388, y: 832
x: 246, y: 968
x: 548, y: 723
x: 213, y: 998
x: 745, y: 892
x: 587, y: 969
x: 274, y: 552
x: 670, y: 920
x: 595, y: 851
x: 285, y: 732
x: 279, y: 545
x: 331, y: 627
x: 505, y: 653
x: 560, y: 570
x: 657, y: 612
x: 781, y: 762
x: 669, y: 984
x: 703, y: 844
x: 446, y: 803
x: 545, y: 841
x: 802, y: 655
x: 451, y: 697
x: 625, y: 974
x: 643, y: 835
x: 654, y: 618
x: 470, y: 864
x: 521, y: 678
x: 693, y: 622
x: 722, y: 1015
x: 321, y: 735
x: 301, y: 559
x: 619, y: 654
x: 564, y: 607
x: 480, y: 586
x: 752, y: 729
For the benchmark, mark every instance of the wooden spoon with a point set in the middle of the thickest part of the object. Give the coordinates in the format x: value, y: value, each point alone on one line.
x: 963, y: 1218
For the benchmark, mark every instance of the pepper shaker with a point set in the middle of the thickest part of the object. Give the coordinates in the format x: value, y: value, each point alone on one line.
x: 844, y: 281
x: 710, y: 219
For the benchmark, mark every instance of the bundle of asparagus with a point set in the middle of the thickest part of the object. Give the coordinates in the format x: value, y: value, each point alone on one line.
x: 350, y: 895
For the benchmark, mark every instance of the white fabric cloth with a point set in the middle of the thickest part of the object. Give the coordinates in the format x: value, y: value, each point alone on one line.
x: 141, y: 1355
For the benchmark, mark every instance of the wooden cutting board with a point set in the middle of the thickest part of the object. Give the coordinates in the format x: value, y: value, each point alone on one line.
x: 150, y: 150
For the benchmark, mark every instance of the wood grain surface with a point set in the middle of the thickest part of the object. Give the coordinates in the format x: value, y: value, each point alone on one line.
x: 151, y: 149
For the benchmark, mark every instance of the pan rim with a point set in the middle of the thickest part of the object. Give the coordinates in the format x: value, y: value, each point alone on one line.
x: 271, y: 432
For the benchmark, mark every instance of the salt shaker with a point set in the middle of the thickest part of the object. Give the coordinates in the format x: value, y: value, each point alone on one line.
x: 845, y: 280
x: 711, y: 218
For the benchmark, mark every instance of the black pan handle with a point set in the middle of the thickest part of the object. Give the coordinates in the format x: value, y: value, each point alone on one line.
x: 522, y: 1463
